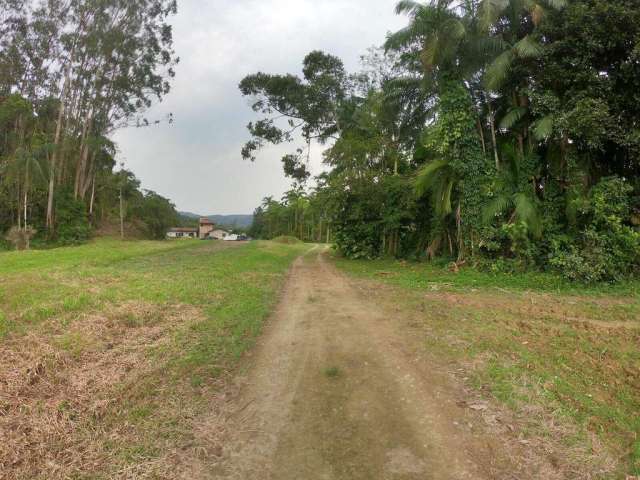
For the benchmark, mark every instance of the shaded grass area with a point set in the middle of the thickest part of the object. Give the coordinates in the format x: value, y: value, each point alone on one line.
x: 110, y: 351
x: 565, y: 358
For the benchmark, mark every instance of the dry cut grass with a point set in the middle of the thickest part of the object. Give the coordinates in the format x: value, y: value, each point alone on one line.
x: 115, y: 386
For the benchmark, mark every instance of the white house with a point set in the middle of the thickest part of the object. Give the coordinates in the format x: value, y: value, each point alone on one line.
x: 179, y: 232
x: 218, y: 234
x: 205, y: 227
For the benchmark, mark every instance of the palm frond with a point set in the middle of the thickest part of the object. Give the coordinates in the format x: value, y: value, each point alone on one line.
x: 527, y: 212
x: 410, y: 7
x: 497, y: 206
x: 442, y: 193
x: 512, y: 117
x: 454, y: 28
x: 543, y: 128
x: 557, y: 4
x: 528, y: 47
x: 498, y: 70
x: 427, y: 175
x: 490, y: 10
x: 490, y: 45
x: 428, y: 56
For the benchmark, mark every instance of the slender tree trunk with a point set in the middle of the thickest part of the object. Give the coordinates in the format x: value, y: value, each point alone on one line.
x: 56, y: 143
x: 26, y: 194
x: 481, y: 132
x: 459, y: 229
x: 492, y: 123
x: 121, y: 216
x: 93, y: 196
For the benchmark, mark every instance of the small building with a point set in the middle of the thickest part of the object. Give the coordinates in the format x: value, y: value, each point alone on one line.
x: 218, y: 234
x: 206, y: 226
x: 231, y: 237
x: 180, y: 232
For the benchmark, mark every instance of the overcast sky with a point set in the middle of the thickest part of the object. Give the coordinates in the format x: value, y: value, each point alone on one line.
x: 196, y: 161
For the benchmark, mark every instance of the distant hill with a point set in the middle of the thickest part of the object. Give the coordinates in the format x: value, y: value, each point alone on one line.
x: 240, y: 221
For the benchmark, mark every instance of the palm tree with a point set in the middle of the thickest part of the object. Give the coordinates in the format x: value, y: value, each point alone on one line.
x: 516, y: 193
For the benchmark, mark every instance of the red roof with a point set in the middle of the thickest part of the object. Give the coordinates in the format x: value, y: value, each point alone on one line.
x: 184, y: 230
x: 206, y: 221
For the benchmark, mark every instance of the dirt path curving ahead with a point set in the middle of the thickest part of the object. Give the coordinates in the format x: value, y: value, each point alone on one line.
x: 334, y: 392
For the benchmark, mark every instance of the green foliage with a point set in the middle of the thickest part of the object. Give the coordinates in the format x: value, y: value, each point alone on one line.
x: 457, y: 175
x: 606, y: 248
x: 509, y: 115
x: 70, y: 74
x: 157, y: 213
x: 73, y: 224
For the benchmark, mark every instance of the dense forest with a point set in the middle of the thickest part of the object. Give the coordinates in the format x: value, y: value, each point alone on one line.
x: 502, y: 134
x: 71, y: 73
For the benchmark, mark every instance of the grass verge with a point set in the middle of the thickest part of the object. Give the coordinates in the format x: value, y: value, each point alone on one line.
x: 563, y: 358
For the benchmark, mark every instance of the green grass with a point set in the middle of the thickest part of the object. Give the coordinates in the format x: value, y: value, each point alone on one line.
x: 427, y: 275
x: 532, y: 340
x: 79, y: 299
x: 332, y: 372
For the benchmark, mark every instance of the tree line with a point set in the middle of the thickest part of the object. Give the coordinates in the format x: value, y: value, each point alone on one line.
x: 499, y: 133
x: 71, y: 73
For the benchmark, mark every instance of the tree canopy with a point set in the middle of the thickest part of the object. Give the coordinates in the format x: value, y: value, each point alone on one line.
x: 484, y: 131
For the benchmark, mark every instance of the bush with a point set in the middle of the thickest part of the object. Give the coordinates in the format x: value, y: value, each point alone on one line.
x: 607, y: 248
x: 73, y: 226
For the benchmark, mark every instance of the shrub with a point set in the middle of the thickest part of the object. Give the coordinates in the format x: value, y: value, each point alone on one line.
x: 20, y: 238
x: 73, y: 226
x: 606, y: 248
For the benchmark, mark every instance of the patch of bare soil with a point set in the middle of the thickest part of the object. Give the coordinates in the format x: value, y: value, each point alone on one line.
x: 58, y: 383
x: 337, y: 390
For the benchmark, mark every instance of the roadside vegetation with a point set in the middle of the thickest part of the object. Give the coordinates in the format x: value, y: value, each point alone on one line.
x: 109, y: 351
x: 562, y: 358
x: 495, y: 134
x: 72, y: 73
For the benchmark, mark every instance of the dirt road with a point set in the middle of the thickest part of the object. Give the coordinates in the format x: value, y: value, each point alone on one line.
x: 335, y: 391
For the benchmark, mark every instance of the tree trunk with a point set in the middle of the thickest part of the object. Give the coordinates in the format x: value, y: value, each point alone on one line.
x: 26, y: 193
x: 93, y: 196
x: 459, y: 229
x: 56, y: 143
x: 481, y: 132
x: 492, y: 123
x: 121, y: 216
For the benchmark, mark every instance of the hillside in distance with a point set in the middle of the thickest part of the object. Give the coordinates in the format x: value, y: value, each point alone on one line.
x: 241, y: 221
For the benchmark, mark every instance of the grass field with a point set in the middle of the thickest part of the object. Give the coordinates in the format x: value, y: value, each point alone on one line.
x: 564, y: 359
x: 109, y: 351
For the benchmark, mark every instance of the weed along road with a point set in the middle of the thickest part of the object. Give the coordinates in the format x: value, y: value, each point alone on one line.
x: 333, y: 392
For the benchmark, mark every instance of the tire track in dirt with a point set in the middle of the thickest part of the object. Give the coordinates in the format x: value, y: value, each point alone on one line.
x: 333, y: 394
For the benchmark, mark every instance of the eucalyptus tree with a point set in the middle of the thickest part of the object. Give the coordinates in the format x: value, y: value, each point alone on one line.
x: 85, y: 68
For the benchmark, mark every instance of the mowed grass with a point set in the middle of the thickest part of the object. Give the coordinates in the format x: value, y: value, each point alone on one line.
x: 565, y: 359
x: 110, y: 351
